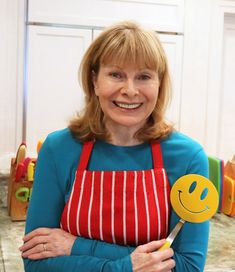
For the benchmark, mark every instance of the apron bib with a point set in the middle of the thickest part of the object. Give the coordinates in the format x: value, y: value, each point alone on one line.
x: 122, y: 207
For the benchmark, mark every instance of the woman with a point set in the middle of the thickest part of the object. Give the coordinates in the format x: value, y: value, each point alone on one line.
x: 101, y: 193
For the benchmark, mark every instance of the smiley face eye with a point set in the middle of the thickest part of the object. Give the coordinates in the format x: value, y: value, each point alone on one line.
x: 204, y: 194
x: 192, y: 187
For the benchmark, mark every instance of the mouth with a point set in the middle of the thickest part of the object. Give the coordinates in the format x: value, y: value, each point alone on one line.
x: 128, y: 106
x: 206, y: 208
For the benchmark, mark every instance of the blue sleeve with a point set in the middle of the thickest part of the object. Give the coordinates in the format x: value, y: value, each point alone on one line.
x: 190, y: 246
x: 45, y: 209
x: 100, y: 249
x: 78, y: 263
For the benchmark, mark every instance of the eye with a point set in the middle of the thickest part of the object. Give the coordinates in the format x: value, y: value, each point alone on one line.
x: 204, y: 194
x: 144, y: 77
x: 116, y: 75
x: 192, y: 187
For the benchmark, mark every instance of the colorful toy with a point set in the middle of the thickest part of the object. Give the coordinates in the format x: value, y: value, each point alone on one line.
x: 21, y: 152
x: 195, y: 199
x: 23, y: 194
x: 20, y: 183
x: 229, y: 196
x: 39, y: 145
x: 216, y: 175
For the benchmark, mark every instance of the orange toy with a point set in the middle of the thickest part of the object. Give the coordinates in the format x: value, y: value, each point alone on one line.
x: 228, y: 200
x: 40, y: 142
x: 229, y: 169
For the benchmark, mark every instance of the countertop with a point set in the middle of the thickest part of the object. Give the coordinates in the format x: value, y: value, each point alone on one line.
x: 221, y: 252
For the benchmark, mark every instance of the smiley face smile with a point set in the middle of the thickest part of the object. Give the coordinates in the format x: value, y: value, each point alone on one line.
x: 207, y: 208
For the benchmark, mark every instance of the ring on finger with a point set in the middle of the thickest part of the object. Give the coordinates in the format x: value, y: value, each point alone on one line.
x: 44, y: 247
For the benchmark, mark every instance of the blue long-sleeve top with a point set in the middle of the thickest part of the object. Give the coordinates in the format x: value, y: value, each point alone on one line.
x: 54, y: 176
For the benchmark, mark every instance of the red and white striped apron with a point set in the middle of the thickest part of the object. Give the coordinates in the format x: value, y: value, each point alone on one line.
x: 123, y: 207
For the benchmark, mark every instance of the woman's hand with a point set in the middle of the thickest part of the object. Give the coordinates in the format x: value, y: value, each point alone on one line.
x: 43, y: 243
x: 146, y: 258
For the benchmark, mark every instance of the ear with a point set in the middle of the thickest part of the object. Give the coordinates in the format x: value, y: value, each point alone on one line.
x: 94, y: 81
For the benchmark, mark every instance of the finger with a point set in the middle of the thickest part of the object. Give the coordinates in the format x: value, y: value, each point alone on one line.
x: 45, y: 253
x: 38, y: 249
x: 34, y: 242
x: 36, y: 232
x: 150, y: 247
x: 39, y: 256
x: 167, y: 265
x: 163, y: 254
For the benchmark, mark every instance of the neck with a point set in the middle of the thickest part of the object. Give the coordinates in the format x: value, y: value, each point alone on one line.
x: 123, y: 136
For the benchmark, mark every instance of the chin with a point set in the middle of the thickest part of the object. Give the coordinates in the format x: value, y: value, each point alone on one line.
x: 131, y: 124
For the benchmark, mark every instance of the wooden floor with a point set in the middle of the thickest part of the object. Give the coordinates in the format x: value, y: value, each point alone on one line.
x: 221, y: 253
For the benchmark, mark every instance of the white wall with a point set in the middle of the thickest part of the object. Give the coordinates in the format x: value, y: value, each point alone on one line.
x: 220, y: 125
x: 195, y: 68
x: 207, y: 81
x: 226, y: 133
x: 208, y: 92
x: 10, y: 79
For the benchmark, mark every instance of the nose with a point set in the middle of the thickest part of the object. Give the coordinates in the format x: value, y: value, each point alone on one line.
x: 129, y: 88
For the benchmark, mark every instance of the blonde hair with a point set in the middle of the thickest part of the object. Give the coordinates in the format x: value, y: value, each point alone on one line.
x: 123, y: 43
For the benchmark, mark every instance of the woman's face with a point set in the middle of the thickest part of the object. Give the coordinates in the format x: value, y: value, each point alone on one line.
x: 127, y: 94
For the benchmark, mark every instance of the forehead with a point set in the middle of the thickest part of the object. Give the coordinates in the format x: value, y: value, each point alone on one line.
x: 128, y: 63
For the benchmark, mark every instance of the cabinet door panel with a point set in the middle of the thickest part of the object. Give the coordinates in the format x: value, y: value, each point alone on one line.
x: 226, y: 123
x: 164, y: 15
x: 53, y: 92
x: 173, y: 45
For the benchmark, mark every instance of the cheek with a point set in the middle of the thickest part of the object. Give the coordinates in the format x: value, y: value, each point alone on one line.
x: 152, y: 92
x: 152, y: 98
x: 105, y: 90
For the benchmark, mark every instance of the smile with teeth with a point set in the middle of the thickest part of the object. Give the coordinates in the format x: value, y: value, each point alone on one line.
x: 128, y: 105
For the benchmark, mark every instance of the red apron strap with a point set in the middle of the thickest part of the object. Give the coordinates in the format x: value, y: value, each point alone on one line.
x: 157, y: 155
x: 85, y: 155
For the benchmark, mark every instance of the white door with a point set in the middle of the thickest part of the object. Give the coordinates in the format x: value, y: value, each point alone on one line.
x: 173, y: 46
x: 226, y: 128
x: 53, y: 94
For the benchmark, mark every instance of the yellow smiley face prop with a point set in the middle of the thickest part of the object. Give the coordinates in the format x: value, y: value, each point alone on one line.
x: 194, y: 198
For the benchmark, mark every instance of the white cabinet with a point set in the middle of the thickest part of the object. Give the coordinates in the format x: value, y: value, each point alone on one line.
x: 173, y: 45
x: 162, y: 15
x: 11, y: 74
x: 226, y: 123
x: 58, y: 34
x: 53, y: 92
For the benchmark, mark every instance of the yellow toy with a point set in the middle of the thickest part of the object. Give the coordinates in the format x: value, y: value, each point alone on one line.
x: 195, y: 199
x: 30, y: 171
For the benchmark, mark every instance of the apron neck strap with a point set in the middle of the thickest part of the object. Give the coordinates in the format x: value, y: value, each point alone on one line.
x: 85, y: 155
x: 157, y: 155
x: 87, y: 149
